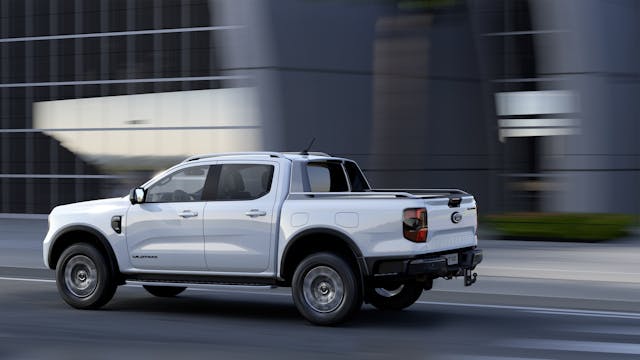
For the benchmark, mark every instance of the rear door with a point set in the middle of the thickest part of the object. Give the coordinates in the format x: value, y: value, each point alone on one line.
x: 238, y: 223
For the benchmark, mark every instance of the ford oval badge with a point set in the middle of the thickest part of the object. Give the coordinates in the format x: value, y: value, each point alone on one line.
x: 456, y: 217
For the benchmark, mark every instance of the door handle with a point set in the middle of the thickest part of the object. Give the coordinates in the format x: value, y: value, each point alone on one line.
x: 188, y: 214
x: 255, y: 213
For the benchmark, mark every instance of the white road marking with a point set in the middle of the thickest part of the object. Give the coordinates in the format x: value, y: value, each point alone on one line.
x: 554, y: 311
x: 577, y: 346
x: 610, y: 315
x: 27, y: 279
x: 478, y: 357
x: 607, y: 330
x: 511, y: 269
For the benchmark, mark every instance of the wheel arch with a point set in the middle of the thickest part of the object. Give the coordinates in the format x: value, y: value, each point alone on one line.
x: 316, y: 240
x: 78, y: 234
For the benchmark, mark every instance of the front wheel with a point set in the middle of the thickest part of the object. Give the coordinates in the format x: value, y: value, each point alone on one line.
x: 395, y: 297
x: 326, y: 289
x: 164, y: 291
x: 84, y: 277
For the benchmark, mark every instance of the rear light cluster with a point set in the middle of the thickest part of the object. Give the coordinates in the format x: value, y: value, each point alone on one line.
x: 414, y: 224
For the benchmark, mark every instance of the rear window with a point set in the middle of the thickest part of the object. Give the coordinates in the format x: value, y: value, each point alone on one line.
x: 326, y: 177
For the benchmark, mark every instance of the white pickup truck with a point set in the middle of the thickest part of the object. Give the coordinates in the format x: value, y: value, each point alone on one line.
x: 307, y: 221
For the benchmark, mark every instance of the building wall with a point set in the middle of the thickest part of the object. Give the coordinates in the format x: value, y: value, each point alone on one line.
x: 400, y: 91
x: 70, y: 49
x: 408, y: 91
x: 598, y: 56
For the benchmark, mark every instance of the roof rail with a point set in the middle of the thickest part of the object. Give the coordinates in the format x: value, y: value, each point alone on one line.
x: 204, y: 156
x: 316, y: 153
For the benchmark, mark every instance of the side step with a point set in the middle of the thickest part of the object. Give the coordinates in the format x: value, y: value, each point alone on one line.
x: 165, y: 279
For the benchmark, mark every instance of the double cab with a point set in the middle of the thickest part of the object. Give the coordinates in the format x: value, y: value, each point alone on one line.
x: 307, y: 221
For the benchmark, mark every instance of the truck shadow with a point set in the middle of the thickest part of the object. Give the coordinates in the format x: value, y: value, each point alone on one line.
x: 412, y: 317
x: 270, y: 308
x: 213, y: 306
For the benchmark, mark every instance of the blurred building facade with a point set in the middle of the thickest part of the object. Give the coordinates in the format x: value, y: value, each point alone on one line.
x: 530, y: 105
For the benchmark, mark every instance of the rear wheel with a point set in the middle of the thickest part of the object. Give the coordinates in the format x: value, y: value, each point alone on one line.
x: 164, y: 291
x: 395, y: 297
x: 84, y: 277
x: 325, y: 289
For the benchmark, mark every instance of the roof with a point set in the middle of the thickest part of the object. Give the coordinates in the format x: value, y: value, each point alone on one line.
x: 269, y: 154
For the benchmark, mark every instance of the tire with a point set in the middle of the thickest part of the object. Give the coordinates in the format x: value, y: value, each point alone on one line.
x: 164, y: 291
x: 395, y: 297
x: 326, y: 290
x: 84, y: 277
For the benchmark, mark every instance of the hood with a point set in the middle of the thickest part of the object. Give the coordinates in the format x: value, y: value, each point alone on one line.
x: 94, y: 206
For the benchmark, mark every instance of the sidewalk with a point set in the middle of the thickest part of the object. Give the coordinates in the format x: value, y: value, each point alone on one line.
x: 615, y: 261
x: 21, y: 242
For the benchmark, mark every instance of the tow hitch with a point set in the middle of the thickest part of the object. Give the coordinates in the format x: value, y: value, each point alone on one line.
x: 469, y: 277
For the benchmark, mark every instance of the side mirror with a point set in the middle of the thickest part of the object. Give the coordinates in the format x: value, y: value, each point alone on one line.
x: 137, y: 196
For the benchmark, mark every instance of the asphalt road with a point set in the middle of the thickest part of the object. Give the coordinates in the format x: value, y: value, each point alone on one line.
x: 533, y: 301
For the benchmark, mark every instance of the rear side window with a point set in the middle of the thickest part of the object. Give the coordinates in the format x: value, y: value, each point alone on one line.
x: 356, y: 179
x: 244, y: 181
x: 326, y: 177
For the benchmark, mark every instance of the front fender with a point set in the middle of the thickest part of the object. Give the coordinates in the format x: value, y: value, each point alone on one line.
x: 72, y: 234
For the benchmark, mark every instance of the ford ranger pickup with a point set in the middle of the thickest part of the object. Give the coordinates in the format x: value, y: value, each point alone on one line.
x: 306, y: 221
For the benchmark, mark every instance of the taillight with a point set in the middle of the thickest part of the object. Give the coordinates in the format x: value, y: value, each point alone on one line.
x: 477, y: 221
x: 414, y: 224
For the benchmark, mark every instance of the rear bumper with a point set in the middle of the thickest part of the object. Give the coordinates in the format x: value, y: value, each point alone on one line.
x: 427, y: 265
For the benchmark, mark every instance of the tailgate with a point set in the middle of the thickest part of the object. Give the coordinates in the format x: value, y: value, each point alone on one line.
x: 452, y: 222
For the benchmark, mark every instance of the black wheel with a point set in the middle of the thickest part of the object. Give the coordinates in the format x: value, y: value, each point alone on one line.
x: 164, y: 291
x: 395, y: 297
x: 84, y: 277
x: 326, y: 289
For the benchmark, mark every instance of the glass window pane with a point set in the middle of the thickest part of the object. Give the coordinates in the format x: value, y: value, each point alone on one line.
x: 356, y: 179
x: 319, y: 178
x: 326, y: 177
x: 244, y: 181
x: 181, y: 186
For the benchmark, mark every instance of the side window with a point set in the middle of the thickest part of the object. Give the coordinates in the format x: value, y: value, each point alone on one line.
x: 356, y: 179
x: 181, y: 186
x: 326, y: 177
x: 244, y: 181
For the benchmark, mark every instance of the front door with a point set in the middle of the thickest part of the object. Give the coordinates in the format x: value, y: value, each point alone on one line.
x: 165, y: 232
x: 238, y: 223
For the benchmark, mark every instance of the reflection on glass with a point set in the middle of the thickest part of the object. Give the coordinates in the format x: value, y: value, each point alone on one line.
x: 181, y: 186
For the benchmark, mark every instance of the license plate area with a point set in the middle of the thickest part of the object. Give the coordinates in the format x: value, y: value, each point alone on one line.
x: 452, y: 259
